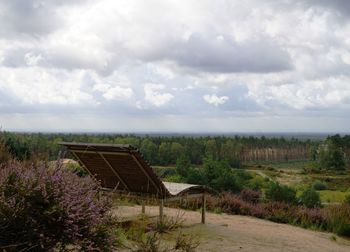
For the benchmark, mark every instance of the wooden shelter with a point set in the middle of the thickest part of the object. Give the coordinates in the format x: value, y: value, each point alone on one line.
x: 121, y: 168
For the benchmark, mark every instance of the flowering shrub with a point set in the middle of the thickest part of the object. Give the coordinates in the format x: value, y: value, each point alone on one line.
x: 332, y: 218
x: 42, y: 208
x: 338, y: 219
x: 250, y: 195
x: 314, y: 217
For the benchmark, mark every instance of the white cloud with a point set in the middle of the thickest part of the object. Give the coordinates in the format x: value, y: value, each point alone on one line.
x: 215, y: 100
x: 271, y: 58
x: 31, y: 59
x: 154, y: 96
x: 118, y: 93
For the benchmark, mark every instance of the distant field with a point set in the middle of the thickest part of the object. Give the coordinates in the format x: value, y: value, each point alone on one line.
x: 291, y: 173
x: 293, y: 164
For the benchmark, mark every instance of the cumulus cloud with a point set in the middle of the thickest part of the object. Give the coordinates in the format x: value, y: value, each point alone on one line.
x: 257, y: 58
x: 118, y: 93
x: 154, y: 96
x: 215, y: 100
x: 32, y: 17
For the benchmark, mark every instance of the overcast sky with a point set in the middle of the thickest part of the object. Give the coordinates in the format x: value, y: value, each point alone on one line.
x: 179, y: 66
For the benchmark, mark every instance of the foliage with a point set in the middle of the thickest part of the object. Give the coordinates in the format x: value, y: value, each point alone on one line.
x: 338, y: 219
x: 318, y: 185
x: 165, y: 150
x: 347, y: 199
x: 220, y: 176
x: 76, y: 169
x: 196, y: 176
x: 44, y: 208
x: 331, y: 155
x: 186, y: 243
x: 280, y: 193
x: 183, y: 165
x: 5, y: 156
x: 17, y: 148
x: 310, y: 198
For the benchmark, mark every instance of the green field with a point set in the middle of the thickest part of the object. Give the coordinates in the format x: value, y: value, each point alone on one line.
x: 291, y: 173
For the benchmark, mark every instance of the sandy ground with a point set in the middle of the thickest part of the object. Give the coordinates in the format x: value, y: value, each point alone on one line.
x: 241, y: 233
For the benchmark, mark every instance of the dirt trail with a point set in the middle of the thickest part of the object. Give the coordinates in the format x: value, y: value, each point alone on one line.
x: 241, y: 233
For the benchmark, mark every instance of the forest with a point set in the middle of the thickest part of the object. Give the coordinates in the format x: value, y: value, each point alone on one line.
x: 166, y: 150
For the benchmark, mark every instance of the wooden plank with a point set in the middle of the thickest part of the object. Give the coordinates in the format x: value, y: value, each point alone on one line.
x: 143, y: 207
x: 115, y: 172
x: 103, y: 152
x: 187, y: 196
x: 146, y: 174
x: 82, y: 164
x: 161, y: 206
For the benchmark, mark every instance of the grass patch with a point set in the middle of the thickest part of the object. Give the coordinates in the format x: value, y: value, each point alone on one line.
x: 293, y: 164
x: 332, y: 196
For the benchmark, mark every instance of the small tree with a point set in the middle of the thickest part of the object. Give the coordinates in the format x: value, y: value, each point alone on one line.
x: 280, y: 193
x: 183, y: 165
x: 318, y: 185
x: 332, y: 157
x: 5, y: 156
x: 310, y: 198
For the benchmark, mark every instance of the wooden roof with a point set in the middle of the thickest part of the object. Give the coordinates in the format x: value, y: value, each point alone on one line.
x: 121, y: 167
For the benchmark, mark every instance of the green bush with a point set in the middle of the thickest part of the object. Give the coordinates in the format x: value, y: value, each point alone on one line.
x: 280, y: 193
x: 5, y: 156
x: 347, y: 199
x: 318, y: 185
x: 310, y: 198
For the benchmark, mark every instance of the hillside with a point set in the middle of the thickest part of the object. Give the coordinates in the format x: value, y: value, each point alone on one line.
x: 241, y: 233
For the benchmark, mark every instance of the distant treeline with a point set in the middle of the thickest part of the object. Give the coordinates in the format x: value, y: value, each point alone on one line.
x: 161, y: 150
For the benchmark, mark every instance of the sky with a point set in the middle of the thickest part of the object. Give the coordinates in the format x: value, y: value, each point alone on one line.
x: 175, y: 66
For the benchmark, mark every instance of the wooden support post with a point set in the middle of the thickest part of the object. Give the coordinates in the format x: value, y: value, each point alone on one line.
x: 203, y: 208
x: 143, y: 207
x: 161, y: 206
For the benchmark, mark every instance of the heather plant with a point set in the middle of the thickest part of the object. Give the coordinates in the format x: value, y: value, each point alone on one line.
x: 250, y: 195
x: 338, y: 219
x: 331, y: 218
x: 310, y: 217
x: 43, y: 209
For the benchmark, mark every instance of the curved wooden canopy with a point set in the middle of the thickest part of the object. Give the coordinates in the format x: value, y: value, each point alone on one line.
x: 121, y: 167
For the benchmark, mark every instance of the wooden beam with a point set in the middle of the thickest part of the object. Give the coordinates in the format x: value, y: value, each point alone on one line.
x: 203, y: 208
x: 161, y: 206
x: 82, y: 164
x: 103, y: 152
x: 146, y: 174
x: 143, y: 207
x: 187, y: 196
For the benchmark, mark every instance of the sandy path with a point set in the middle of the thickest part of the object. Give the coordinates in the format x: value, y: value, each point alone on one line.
x: 241, y: 233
